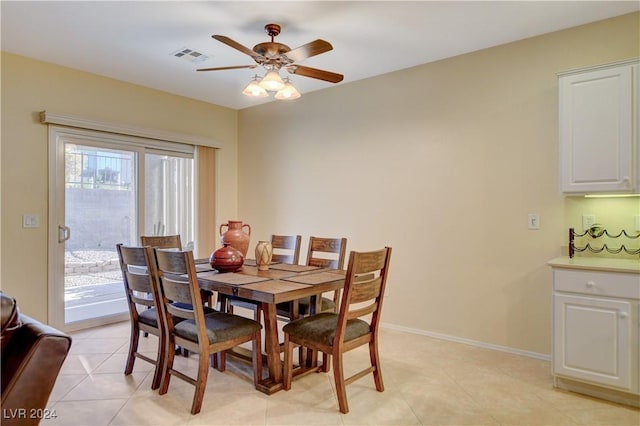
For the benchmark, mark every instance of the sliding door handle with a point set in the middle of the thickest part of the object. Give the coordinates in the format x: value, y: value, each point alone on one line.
x: 64, y: 233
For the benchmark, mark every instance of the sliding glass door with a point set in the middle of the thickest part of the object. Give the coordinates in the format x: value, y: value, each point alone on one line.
x: 100, y: 211
x: 109, y: 189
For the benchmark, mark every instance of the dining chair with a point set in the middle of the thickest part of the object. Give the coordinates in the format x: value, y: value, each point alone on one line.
x: 208, y: 335
x: 139, y: 275
x: 324, y: 253
x: 355, y: 324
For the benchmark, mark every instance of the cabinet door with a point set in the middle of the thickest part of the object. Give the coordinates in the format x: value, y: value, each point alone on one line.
x: 596, y: 131
x: 592, y: 340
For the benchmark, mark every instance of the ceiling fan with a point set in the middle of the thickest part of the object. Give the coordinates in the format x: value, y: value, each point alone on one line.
x: 274, y: 56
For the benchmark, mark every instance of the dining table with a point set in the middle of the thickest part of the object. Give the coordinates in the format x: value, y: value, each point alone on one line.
x: 280, y: 283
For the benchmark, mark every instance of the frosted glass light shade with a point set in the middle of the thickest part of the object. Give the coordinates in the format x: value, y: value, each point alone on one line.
x: 254, y: 89
x: 288, y: 93
x: 272, y: 82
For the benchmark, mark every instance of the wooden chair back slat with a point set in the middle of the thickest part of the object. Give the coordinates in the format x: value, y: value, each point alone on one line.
x: 324, y: 263
x: 132, y: 256
x: 162, y: 242
x: 172, y: 263
x: 139, y: 282
x: 362, y: 311
x: 363, y: 291
x: 326, y: 252
x: 181, y: 312
x: 176, y: 291
x: 286, y: 248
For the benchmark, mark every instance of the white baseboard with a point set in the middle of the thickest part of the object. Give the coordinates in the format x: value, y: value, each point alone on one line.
x: 479, y: 344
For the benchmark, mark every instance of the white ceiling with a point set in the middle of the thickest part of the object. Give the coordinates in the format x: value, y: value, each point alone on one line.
x: 134, y: 41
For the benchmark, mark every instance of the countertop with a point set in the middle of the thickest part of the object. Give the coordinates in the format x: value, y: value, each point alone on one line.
x: 597, y: 264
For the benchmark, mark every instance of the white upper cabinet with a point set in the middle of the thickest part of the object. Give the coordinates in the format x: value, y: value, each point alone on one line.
x: 599, y: 148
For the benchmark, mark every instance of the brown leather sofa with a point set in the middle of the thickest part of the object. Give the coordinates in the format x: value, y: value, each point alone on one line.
x: 32, y: 355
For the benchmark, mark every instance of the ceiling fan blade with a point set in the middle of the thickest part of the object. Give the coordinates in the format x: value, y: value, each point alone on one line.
x: 233, y: 67
x: 232, y: 43
x: 329, y: 76
x: 308, y: 50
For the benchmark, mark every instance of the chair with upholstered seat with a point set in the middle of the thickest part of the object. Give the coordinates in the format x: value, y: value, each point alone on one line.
x: 140, y: 282
x: 355, y: 324
x: 206, y: 335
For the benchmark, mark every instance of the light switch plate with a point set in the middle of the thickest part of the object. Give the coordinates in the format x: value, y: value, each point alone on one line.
x: 534, y: 221
x: 30, y: 221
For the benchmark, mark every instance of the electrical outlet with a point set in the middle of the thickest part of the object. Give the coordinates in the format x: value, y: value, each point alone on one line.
x: 587, y: 221
x: 533, y: 221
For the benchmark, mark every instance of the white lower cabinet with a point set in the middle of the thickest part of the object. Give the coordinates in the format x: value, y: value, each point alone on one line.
x: 593, y: 340
x: 596, y: 330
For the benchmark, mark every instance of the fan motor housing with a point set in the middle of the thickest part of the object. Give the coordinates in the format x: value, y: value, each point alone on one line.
x: 271, y: 49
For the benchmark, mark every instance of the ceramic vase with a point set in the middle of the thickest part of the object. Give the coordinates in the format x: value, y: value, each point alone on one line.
x: 226, y: 259
x: 236, y: 235
x: 264, y: 251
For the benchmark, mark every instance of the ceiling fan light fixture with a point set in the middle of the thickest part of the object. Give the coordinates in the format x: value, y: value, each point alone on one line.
x: 272, y: 81
x: 254, y: 89
x: 289, y: 92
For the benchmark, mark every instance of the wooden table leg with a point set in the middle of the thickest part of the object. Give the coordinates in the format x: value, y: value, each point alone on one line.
x: 273, y: 347
x: 273, y: 382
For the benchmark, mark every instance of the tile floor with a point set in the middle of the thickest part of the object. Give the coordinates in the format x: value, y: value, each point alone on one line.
x: 427, y: 382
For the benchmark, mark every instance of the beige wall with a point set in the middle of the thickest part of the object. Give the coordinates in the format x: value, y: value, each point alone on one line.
x: 29, y: 87
x: 443, y: 162
x: 444, y: 165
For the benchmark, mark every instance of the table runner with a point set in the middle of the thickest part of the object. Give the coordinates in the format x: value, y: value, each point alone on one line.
x: 318, y: 278
x: 203, y: 267
x: 293, y: 268
x: 233, y: 278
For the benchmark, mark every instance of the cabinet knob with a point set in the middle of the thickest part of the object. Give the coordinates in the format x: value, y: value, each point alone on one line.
x: 624, y: 315
x: 591, y: 284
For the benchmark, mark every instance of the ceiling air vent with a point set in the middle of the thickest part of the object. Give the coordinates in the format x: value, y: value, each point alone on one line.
x: 190, y: 55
